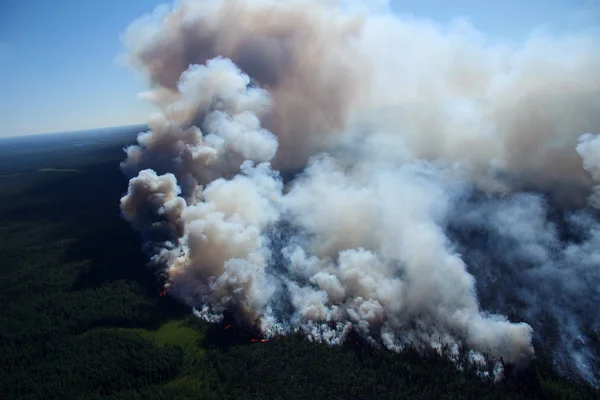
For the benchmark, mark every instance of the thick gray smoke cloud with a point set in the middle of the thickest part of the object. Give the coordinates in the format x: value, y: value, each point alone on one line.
x: 302, y: 54
x: 428, y: 165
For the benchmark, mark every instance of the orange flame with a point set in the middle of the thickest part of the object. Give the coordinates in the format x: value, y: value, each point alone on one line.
x: 254, y: 340
x: 263, y: 340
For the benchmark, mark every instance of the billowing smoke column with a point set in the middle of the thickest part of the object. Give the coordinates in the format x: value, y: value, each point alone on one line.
x: 435, y: 185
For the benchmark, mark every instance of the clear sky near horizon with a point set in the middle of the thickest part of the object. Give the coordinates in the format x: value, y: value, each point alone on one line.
x: 58, y: 69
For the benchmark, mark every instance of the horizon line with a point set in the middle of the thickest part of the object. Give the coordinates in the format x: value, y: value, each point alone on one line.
x: 72, y: 131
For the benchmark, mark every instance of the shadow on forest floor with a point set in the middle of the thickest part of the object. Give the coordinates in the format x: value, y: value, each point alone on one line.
x: 113, y: 253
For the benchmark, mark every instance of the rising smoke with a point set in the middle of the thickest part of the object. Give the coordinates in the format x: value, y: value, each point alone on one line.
x: 321, y: 171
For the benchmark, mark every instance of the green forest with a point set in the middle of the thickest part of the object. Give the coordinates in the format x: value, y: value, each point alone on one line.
x: 81, y: 316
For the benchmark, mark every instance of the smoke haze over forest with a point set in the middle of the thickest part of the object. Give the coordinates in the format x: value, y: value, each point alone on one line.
x: 318, y: 170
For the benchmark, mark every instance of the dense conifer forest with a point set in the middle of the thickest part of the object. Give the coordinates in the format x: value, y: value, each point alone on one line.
x: 81, y: 316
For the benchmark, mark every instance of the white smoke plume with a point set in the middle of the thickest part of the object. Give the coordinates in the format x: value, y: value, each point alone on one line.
x: 311, y: 169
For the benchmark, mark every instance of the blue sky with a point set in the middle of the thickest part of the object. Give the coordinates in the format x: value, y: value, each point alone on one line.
x: 57, y: 57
